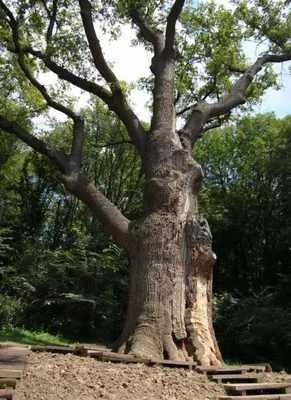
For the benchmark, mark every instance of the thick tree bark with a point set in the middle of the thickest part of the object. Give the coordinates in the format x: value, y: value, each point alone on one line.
x: 170, y: 298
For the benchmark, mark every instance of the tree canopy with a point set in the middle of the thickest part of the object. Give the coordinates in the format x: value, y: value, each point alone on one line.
x: 212, y: 76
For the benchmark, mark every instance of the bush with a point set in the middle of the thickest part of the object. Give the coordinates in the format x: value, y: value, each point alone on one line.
x: 9, y: 310
x: 253, y: 329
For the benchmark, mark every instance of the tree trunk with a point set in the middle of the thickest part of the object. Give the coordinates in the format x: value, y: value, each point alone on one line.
x: 170, y: 298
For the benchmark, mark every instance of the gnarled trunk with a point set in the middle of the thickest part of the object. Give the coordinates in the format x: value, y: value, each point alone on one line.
x: 170, y: 298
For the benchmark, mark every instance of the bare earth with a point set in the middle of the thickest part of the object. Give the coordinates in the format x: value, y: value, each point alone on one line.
x: 58, y: 377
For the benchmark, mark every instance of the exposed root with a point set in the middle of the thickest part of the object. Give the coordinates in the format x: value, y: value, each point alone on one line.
x: 172, y: 350
x: 143, y: 345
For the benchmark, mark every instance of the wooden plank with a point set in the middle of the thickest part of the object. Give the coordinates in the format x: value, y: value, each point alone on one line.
x: 117, y: 355
x: 10, y: 365
x: 54, y: 349
x: 235, y: 377
x: 222, y: 370
x: 81, y: 351
x: 8, y: 382
x: 6, y: 393
x: 176, y: 364
x: 258, y: 397
x: 95, y: 353
x: 96, y: 348
x: 255, y: 367
x: 126, y: 359
x: 245, y: 387
x: 99, y: 353
x: 10, y: 373
x: 267, y: 366
x: 110, y: 356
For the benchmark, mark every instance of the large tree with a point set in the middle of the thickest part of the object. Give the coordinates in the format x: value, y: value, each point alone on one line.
x: 200, y: 74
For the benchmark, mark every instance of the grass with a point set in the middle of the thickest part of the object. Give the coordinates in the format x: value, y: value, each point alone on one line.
x: 23, y: 336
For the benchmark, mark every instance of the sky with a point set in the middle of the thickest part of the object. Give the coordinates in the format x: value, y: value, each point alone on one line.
x: 132, y: 62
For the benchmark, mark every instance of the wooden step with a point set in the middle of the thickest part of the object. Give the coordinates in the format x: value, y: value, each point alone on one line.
x: 8, y: 382
x: 258, y: 397
x: 14, y: 374
x: 6, y: 394
x: 267, y: 366
x: 54, y: 349
x: 235, y: 377
x: 176, y: 364
x: 243, y: 388
x: 100, y: 353
x: 128, y: 359
x: 222, y: 370
x: 258, y: 367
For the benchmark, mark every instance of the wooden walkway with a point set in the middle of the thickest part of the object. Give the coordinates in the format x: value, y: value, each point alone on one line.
x: 240, y: 382
x: 12, y: 364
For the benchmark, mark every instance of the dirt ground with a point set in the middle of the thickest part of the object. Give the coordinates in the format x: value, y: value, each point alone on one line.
x: 58, y: 377
x: 67, y: 377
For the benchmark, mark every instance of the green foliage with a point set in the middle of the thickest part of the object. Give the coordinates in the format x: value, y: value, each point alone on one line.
x: 9, y: 308
x: 77, y: 292
x: 246, y: 199
x: 57, y: 265
x: 248, y: 177
x: 254, y: 329
x: 267, y: 19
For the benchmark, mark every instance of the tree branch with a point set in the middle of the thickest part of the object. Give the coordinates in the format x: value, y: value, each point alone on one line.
x: 78, y: 131
x: 68, y: 76
x: 121, y: 109
x: 215, y: 124
x: 236, y: 96
x: 76, y: 155
x: 120, y: 105
x: 52, y: 22
x: 183, y: 110
x: 113, y: 144
x: 76, y: 183
x: 203, y: 112
x: 146, y: 31
x: 171, y: 24
x: 94, y: 45
x: 21, y: 61
x: 211, y: 89
x: 114, y: 222
x: 59, y: 158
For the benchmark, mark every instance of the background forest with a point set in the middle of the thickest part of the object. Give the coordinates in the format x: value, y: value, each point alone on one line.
x: 61, y: 273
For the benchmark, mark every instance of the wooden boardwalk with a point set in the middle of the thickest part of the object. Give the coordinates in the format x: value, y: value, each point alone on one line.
x: 237, y: 380
x: 12, y: 364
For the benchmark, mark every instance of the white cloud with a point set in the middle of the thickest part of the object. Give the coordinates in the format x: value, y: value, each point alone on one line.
x: 129, y: 64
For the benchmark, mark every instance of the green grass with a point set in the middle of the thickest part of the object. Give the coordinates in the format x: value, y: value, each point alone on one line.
x: 23, y: 336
